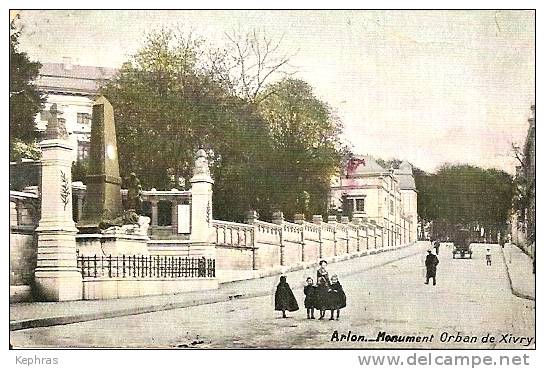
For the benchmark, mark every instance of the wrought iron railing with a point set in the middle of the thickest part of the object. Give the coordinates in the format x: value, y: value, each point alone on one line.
x: 133, y: 266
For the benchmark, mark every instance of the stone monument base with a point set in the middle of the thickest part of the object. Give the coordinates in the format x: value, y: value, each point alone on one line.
x: 101, y: 244
x: 62, y: 285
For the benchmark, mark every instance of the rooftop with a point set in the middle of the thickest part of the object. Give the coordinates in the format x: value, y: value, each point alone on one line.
x: 69, y: 78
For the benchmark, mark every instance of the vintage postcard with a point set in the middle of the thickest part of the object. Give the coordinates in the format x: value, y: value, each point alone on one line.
x: 272, y: 179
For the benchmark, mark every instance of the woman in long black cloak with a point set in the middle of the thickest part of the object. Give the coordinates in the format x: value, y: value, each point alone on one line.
x: 284, y: 298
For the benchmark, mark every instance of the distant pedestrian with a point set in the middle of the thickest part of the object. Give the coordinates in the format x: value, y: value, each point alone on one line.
x: 310, y: 298
x: 322, y: 301
x: 431, y: 267
x: 436, y: 244
x: 337, y: 296
x: 488, y: 257
x: 284, y: 298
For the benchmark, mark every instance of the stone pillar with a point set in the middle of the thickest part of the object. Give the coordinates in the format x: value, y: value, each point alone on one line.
x: 174, y: 215
x: 57, y: 277
x: 19, y: 211
x: 345, y: 220
x: 79, y: 198
x: 154, y: 212
x: 317, y: 219
x: 201, y: 205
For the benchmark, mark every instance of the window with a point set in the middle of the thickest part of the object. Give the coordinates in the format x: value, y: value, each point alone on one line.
x: 391, y: 206
x: 84, y: 118
x: 360, y: 205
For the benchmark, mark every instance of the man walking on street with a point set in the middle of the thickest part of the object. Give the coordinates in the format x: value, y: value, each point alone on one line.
x: 431, y: 267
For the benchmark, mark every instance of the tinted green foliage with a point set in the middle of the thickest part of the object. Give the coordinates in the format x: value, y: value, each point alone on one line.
x: 464, y: 194
x: 305, y: 138
x: 169, y: 100
x: 24, y: 100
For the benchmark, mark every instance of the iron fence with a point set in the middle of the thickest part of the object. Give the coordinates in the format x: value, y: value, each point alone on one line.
x: 127, y: 266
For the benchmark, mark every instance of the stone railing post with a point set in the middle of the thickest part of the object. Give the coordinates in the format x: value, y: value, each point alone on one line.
x: 57, y: 277
x: 345, y: 220
x: 332, y: 219
x: 357, y: 223
x: 300, y: 219
x: 251, y: 217
x: 201, y: 205
x: 317, y: 219
x: 278, y: 218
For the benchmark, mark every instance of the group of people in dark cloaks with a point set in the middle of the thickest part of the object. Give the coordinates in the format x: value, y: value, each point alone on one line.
x: 327, y: 294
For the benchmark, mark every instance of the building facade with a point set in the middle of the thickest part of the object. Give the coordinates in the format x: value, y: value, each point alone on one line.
x: 523, y: 218
x: 387, y: 197
x: 73, y: 88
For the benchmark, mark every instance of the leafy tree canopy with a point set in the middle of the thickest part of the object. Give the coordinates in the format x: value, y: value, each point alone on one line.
x: 176, y: 94
x: 305, y: 136
x: 25, y: 101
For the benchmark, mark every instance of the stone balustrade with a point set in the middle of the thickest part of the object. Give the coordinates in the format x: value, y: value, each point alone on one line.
x: 244, y: 249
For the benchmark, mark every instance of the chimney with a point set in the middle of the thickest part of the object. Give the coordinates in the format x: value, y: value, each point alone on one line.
x: 67, y: 62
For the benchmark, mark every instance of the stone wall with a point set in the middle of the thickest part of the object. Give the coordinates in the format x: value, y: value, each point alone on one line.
x: 113, y: 288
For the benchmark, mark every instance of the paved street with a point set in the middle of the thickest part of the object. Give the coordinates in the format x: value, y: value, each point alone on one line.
x: 470, y: 298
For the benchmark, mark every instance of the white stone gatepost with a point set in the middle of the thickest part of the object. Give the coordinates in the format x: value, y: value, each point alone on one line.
x: 57, y: 277
x: 201, y: 207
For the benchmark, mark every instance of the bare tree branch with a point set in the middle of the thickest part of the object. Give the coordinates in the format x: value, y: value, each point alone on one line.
x: 255, y: 62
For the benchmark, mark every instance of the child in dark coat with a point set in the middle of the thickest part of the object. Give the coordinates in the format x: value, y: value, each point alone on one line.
x: 337, y: 296
x: 284, y: 298
x: 310, y: 298
x: 322, y: 301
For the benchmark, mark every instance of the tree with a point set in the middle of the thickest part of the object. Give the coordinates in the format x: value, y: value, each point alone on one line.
x: 306, y: 143
x: 466, y: 195
x: 178, y: 94
x: 25, y: 101
x: 169, y: 102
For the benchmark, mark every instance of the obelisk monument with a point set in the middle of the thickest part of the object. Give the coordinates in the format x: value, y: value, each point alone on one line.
x: 103, y: 198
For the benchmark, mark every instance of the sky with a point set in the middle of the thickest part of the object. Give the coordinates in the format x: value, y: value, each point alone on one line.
x: 430, y: 87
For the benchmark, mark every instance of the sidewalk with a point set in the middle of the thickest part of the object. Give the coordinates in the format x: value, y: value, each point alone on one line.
x: 43, y: 314
x: 519, y: 269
